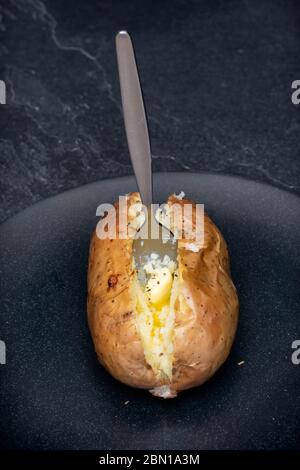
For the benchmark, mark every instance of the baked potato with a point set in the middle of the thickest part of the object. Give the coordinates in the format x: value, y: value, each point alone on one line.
x: 177, y: 340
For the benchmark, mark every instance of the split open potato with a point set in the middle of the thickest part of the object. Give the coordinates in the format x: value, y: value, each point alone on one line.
x: 174, y: 332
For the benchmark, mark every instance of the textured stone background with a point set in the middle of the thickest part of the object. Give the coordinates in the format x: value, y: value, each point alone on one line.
x: 216, y: 77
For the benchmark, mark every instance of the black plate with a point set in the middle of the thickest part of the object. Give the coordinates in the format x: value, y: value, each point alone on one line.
x: 54, y: 394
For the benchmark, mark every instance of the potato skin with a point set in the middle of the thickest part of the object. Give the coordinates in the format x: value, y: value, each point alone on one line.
x: 206, y: 312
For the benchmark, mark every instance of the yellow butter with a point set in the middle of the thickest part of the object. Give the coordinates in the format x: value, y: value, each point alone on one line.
x: 158, y: 287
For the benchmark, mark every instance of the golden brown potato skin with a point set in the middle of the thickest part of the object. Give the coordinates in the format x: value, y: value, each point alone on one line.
x: 206, y: 313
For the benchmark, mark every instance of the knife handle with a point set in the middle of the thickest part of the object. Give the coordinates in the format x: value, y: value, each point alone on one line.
x: 134, y: 117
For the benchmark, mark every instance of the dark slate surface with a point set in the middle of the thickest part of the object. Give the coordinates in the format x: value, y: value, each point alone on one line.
x: 216, y: 77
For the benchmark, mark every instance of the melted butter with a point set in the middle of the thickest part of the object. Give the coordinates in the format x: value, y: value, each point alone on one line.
x: 158, y: 287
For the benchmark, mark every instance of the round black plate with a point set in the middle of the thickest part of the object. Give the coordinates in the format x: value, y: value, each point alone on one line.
x: 55, y: 395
